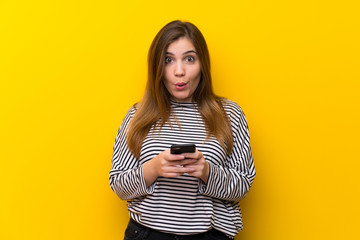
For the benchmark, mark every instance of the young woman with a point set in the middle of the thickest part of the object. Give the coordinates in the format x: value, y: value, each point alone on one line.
x: 190, y: 195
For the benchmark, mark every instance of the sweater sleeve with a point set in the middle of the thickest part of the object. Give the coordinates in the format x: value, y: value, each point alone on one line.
x: 126, y: 174
x: 232, y: 181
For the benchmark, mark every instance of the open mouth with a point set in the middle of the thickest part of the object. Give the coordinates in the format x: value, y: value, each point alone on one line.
x: 180, y: 86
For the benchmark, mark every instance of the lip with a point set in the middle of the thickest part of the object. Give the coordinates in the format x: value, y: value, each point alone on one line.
x: 181, y: 85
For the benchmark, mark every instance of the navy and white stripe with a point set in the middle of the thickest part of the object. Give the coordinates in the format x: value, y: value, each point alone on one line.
x: 185, y: 204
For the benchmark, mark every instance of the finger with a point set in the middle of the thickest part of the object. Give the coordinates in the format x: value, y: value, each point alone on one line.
x: 174, y: 157
x: 188, y: 161
x: 178, y: 170
x: 195, y: 155
x: 179, y: 162
x: 171, y: 175
x: 198, y: 165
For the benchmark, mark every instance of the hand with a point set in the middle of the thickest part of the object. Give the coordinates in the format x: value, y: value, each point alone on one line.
x: 200, y: 165
x: 167, y: 165
x: 172, y: 165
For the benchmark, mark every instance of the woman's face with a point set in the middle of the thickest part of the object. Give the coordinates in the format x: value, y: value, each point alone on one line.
x: 182, y: 70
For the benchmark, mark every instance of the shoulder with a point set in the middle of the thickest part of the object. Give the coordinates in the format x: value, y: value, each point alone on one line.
x: 235, y: 113
x: 132, y: 110
x: 232, y: 108
x: 129, y: 114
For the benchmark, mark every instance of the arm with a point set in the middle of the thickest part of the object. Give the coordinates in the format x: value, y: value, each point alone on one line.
x: 129, y: 179
x: 233, y: 181
x: 126, y: 174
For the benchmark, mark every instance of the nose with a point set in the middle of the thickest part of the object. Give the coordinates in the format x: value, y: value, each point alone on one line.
x: 179, y: 70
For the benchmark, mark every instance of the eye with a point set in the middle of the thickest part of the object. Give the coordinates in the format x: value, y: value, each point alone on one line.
x: 168, y: 60
x: 190, y: 59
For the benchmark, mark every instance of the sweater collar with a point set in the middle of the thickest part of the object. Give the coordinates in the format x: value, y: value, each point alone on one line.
x: 175, y: 104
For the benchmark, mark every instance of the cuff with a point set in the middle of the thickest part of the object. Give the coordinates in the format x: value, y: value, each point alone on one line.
x: 143, y: 189
x: 203, y: 187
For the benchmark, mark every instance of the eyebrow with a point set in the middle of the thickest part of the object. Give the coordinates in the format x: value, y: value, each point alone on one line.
x: 190, y: 51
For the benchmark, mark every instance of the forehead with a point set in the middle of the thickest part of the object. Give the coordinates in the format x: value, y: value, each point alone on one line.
x: 180, y: 46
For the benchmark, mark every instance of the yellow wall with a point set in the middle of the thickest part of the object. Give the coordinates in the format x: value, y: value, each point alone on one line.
x: 69, y: 71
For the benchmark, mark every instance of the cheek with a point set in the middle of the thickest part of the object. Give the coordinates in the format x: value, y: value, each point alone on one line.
x: 167, y: 85
x: 197, y: 69
x: 167, y: 74
x: 167, y: 82
x: 196, y: 74
x: 197, y: 79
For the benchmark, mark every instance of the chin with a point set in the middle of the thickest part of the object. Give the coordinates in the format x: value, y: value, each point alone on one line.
x: 183, y: 99
x: 179, y: 97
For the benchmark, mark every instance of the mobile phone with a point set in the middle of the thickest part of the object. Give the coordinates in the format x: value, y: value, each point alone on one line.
x: 182, y: 148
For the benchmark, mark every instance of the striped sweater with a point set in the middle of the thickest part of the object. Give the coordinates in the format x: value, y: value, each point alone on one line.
x: 186, y: 205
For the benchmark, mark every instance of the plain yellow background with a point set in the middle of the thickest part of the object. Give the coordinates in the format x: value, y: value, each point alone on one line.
x: 69, y: 71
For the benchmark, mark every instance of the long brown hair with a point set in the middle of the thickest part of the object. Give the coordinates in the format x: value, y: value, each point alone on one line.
x: 155, y: 108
